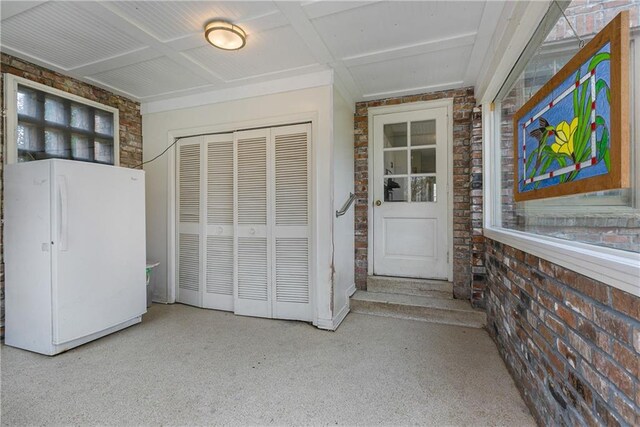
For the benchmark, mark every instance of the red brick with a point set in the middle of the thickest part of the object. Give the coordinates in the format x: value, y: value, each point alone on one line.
x: 578, y: 304
x: 612, y: 324
x: 567, y: 353
x: 626, y: 410
x: 585, y: 285
x: 595, y: 380
x: 627, y: 358
x: 626, y: 303
x: 613, y: 373
x: 566, y: 315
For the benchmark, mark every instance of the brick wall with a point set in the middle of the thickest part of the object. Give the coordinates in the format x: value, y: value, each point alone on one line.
x: 466, y: 128
x: 130, y: 125
x: 590, y: 16
x: 478, y: 272
x: 571, y: 343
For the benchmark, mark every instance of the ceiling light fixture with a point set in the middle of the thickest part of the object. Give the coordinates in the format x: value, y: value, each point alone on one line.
x: 225, y: 35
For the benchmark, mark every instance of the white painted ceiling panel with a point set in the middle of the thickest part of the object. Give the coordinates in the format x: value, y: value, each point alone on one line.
x: 173, y: 19
x: 155, y: 50
x: 431, y: 69
x: 279, y: 49
x: 64, y: 35
x: 149, y: 78
x: 385, y: 25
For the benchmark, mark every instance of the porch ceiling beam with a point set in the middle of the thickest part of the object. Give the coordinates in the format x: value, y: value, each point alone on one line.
x: 490, y: 16
x: 410, y: 50
x: 111, y: 15
x: 307, y: 32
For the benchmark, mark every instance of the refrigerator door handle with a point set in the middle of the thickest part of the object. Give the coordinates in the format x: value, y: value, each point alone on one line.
x: 63, y: 229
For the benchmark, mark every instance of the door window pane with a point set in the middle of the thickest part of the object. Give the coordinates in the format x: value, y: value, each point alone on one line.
x: 423, y: 160
x: 395, y: 189
x: 423, y: 189
x: 423, y: 133
x: 395, y: 162
x: 395, y: 135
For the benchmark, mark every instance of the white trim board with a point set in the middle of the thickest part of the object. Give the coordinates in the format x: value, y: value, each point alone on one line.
x: 610, y: 266
x: 400, y: 108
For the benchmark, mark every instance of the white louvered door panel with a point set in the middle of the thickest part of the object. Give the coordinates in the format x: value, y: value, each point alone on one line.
x: 252, y: 285
x: 189, y: 251
x: 291, y: 231
x: 218, y: 290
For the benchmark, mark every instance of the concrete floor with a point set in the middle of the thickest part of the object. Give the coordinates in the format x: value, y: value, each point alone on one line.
x: 186, y: 366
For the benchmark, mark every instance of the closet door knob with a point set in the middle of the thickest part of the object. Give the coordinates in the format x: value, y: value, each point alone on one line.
x: 220, y: 230
x: 252, y: 231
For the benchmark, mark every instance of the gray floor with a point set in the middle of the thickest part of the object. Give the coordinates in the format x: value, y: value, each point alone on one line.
x: 189, y: 366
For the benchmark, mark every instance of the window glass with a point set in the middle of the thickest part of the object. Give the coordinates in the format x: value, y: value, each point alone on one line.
x: 27, y: 103
x: 54, y: 127
x: 395, y: 189
x: 423, y: 188
x: 605, y: 218
x: 395, y: 135
x: 80, y: 117
x: 423, y: 133
x: 423, y: 160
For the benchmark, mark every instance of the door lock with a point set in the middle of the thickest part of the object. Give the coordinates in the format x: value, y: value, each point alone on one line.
x: 378, y: 202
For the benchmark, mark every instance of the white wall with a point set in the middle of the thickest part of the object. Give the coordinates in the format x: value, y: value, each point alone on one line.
x: 158, y: 130
x: 343, y: 227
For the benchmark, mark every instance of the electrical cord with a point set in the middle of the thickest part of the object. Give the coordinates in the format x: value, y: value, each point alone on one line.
x: 175, y: 140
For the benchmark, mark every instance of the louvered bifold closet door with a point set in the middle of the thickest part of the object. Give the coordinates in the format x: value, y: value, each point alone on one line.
x: 252, y: 262
x: 189, y: 175
x: 218, y: 289
x: 291, y: 248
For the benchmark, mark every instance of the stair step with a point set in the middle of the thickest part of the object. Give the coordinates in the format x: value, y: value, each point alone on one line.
x: 407, y: 286
x: 436, y: 310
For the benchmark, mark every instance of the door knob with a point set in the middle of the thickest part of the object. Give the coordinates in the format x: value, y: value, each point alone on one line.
x: 378, y: 202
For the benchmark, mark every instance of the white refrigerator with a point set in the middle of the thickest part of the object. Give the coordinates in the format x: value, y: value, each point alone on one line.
x: 74, y: 239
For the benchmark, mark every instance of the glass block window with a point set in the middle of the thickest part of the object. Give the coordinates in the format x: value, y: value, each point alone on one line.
x: 51, y: 126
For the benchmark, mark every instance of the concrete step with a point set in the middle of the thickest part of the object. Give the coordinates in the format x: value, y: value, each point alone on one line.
x: 435, y: 310
x: 406, y: 286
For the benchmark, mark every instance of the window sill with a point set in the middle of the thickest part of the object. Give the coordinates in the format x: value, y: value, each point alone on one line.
x: 616, y: 268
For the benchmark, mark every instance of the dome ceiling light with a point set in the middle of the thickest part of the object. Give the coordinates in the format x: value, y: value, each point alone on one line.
x: 224, y: 35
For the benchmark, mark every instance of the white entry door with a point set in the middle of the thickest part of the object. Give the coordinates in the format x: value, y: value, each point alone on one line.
x: 410, y: 220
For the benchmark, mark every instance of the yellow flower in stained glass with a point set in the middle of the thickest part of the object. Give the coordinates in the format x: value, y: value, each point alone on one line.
x: 564, y: 137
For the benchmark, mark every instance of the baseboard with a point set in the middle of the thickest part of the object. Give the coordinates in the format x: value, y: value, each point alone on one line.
x: 324, y: 324
x: 351, y: 290
x: 338, y: 318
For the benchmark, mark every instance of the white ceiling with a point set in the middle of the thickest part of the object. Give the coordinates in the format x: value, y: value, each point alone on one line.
x: 151, y: 51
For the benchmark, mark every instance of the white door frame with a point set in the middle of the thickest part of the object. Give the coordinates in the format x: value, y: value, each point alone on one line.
x: 401, y: 108
x: 311, y: 116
